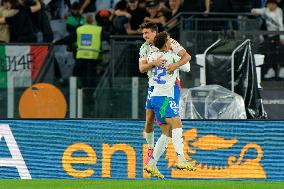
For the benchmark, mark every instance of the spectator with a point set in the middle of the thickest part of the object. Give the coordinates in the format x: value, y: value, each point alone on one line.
x: 87, y: 6
x: 103, y: 20
x: 174, y: 9
x: 154, y: 15
x: 120, y: 17
x: 273, y: 16
x: 142, y: 4
x: 73, y: 21
x: 128, y: 15
x: 21, y: 28
x: 163, y: 6
x: 4, y: 28
x: 199, y: 6
x: 56, y: 9
x: 106, y: 4
x: 41, y: 24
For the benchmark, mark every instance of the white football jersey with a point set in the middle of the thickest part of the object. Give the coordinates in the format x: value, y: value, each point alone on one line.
x: 162, y: 81
x: 146, y: 49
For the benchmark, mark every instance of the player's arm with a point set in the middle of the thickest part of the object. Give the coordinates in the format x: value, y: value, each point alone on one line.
x: 185, y: 57
x: 145, y: 66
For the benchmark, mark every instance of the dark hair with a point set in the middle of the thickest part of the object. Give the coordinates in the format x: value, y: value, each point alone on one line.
x: 271, y: 1
x: 75, y: 6
x: 149, y: 25
x: 161, y: 39
x: 121, y: 5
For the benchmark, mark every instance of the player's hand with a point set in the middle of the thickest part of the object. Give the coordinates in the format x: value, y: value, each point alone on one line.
x: 158, y: 62
x: 282, y: 42
x: 171, y: 68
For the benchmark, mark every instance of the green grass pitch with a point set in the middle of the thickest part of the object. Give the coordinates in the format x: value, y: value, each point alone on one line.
x: 137, y: 184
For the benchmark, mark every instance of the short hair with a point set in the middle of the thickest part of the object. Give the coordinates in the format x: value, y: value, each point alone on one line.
x: 149, y: 25
x: 90, y: 18
x: 271, y: 1
x: 161, y: 39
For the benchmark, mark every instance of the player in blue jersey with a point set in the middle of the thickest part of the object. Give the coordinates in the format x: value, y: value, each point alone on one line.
x: 163, y: 102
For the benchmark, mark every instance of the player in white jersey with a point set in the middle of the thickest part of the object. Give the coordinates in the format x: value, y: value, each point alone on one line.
x: 149, y: 31
x: 164, y: 105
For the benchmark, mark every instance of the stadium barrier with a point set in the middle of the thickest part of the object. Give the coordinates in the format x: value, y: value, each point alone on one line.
x: 114, y: 149
x: 22, y: 65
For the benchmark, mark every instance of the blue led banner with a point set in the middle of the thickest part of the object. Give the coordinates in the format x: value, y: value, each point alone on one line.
x: 96, y: 149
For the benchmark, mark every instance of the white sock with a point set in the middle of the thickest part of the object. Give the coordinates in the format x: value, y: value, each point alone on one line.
x: 160, y: 148
x: 178, y: 143
x: 150, y: 139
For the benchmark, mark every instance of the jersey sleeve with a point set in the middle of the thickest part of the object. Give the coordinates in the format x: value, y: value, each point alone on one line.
x: 176, y: 47
x: 185, y: 67
x: 143, y: 53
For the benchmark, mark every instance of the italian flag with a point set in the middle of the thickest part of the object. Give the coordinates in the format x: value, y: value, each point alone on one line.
x: 20, y: 63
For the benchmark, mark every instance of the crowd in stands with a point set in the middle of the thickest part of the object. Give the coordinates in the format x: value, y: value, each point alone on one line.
x: 116, y: 16
x: 28, y: 21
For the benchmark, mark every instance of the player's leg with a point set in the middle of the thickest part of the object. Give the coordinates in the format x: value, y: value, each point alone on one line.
x: 162, y: 142
x: 177, y: 140
x: 149, y: 126
x: 159, y: 149
x: 149, y: 133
